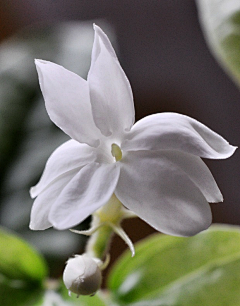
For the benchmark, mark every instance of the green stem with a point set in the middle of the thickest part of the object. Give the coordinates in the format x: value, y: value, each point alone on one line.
x: 98, y: 243
x: 105, y: 222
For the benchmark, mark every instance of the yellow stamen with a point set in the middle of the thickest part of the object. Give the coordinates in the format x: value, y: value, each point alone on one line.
x: 116, y: 152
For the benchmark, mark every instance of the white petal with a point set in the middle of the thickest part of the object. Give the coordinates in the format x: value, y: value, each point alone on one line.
x: 91, y: 188
x: 153, y: 186
x: 173, y: 131
x: 43, y: 203
x: 198, y: 172
x: 67, y: 102
x: 110, y: 91
x: 67, y: 157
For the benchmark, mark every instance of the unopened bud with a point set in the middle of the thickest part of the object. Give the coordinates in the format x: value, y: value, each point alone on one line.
x: 82, y: 275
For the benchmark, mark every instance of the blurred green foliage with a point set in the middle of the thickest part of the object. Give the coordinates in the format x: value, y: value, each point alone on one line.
x: 22, y: 271
x: 174, y: 271
x: 19, y: 260
x: 166, y: 271
x: 220, y: 21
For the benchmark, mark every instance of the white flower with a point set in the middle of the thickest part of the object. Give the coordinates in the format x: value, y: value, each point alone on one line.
x: 82, y: 275
x: 153, y: 167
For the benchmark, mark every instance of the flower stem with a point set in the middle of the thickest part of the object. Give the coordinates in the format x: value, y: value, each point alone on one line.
x: 98, y: 243
x: 105, y: 222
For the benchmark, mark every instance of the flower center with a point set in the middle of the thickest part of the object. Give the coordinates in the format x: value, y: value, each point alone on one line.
x: 116, y: 152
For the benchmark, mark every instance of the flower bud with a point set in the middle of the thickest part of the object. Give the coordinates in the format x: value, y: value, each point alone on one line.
x: 82, y: 275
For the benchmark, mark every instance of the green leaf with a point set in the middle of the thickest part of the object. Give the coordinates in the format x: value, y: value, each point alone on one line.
x: 17, y: 294
x: 220, y: 20
x: 176, y: 271
x: 19, y: 261
x: 22, y: 271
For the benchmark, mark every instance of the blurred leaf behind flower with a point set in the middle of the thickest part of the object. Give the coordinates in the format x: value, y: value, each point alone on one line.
x: 176, y: 271
x: 220, y: 21
x: 22, y: 271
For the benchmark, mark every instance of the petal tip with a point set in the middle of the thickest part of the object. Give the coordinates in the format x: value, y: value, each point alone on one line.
x: 203, y: 226
x: 95, y: 27
x: 216, y: 198
x: 233, y: 149
x: 220, y: 200
x: 228, y: 152
x: 38, y: 226
x: 57, y: 225
x: 38, y: 62
x: 32, y: 192
x: 197, y: 231
x: 32, y: 226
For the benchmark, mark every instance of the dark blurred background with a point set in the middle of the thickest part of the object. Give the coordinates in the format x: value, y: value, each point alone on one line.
x: 162, y: 50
